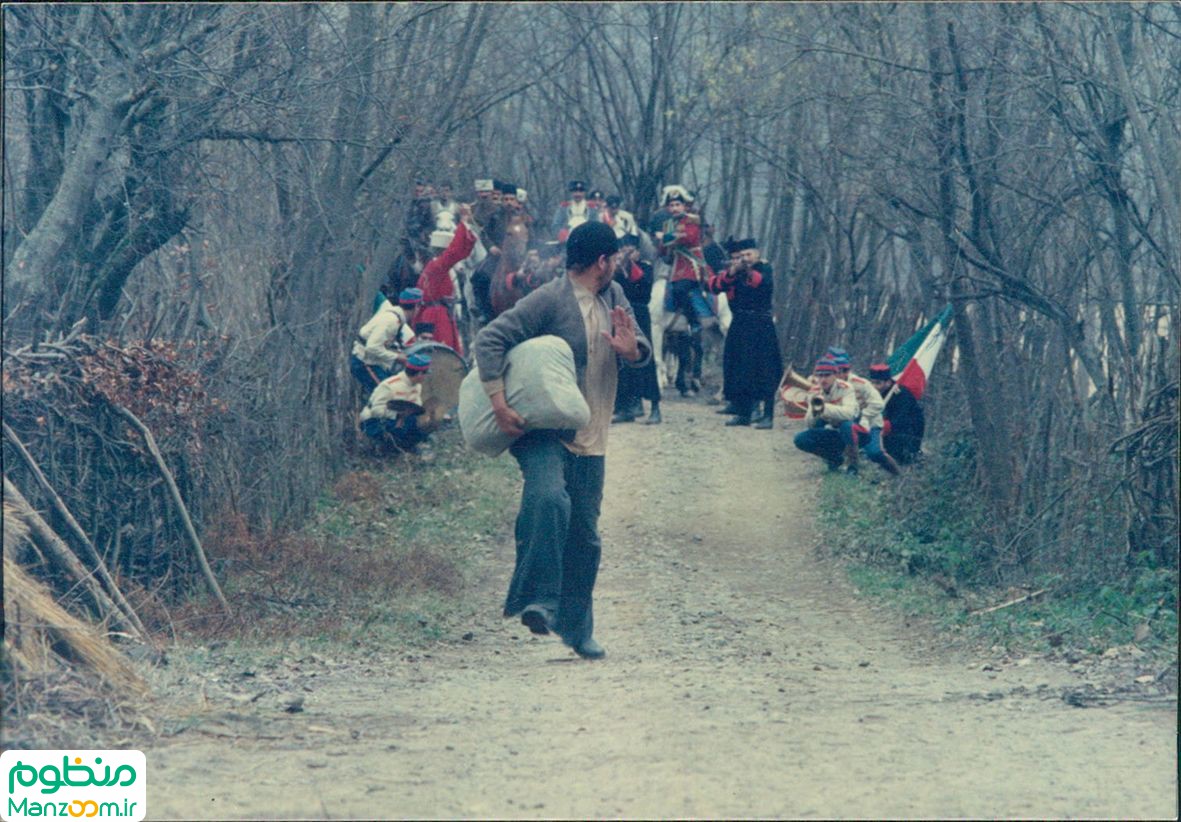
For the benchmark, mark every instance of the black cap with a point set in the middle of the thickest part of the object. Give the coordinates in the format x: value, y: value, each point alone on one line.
x: 614, y: 201
x: 577, y: 185
x: 588, y: 242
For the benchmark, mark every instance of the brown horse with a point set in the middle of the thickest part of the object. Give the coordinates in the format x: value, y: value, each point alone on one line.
x: 502, y: 294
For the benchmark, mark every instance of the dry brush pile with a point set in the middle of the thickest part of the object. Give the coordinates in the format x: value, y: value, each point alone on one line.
x: 103, y: 462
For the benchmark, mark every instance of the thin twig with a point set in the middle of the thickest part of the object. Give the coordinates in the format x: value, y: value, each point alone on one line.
x: 150, y: 440
x: 1016, y: 601
x: 63, y: 557
x: 100, y: 567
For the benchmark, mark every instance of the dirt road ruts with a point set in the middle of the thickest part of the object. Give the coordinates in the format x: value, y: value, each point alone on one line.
x: 745, y: 678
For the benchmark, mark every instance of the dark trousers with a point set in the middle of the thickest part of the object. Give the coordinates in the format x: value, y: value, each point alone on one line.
x: 558, y: 546
x: 848, y: 435
x: 744, y: 406
x: 368, y: 375
x: 402, y: 432
x: 686, y: 297
x: 826, y: 442
x: 873, y: 448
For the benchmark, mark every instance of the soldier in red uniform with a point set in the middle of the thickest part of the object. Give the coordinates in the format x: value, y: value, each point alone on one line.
x: 678, y: 236
x: 438, y: 289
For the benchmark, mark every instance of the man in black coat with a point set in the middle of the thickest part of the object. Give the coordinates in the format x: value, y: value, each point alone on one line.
x: 903, y: 423
x: 636, y: 278
x: 751, y: 362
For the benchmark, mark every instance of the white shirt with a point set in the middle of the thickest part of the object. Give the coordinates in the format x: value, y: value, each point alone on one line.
x: 601, y: 376
x: 397, y: 387
x: 380, y: 339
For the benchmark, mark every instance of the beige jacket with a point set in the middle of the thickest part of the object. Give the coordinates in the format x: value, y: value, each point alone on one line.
x: 868, y: 399
x: 840, y: 404
x: 397, y: 387
x: 383, y: 336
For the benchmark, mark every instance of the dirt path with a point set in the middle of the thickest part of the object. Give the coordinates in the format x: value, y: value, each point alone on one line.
x: 744, y: 678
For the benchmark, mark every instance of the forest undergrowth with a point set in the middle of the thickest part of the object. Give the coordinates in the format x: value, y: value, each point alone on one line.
x: 924, y: 545
x: 384, y: 558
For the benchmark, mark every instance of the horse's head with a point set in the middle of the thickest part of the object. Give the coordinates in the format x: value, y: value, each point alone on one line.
x: 513, y: 249
x: 516, y: 242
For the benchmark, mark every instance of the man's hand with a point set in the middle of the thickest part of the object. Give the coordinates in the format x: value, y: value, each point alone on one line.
x: 465, y: 212
x: 507, y: 420
x: 623, y: 337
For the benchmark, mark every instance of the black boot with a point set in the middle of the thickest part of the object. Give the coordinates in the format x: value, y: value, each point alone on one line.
x: 767, y: 421
x: 740, y: 420
x: 654, y: 418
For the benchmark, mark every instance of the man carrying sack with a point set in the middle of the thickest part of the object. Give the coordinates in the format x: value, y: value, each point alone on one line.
x: 558, y: 546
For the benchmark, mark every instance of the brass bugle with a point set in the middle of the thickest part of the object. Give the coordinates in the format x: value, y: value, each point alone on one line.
x: 793, y: 377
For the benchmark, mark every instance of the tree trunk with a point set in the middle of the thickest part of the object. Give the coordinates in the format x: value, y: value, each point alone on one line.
x: 34, y: 264
x: 977, y: 359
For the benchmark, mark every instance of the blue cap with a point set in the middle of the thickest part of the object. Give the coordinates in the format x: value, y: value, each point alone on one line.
x: 838, y: 355
x: 410, y: 295
x: 418, y: 362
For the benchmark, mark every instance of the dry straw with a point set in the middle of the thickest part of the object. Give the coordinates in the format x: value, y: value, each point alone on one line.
x: 55, y: 663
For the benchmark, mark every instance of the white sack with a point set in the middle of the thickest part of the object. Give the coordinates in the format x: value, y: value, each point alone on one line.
x: 540, y: 384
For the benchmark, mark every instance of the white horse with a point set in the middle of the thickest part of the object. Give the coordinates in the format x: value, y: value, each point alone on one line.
x: 661, y: 320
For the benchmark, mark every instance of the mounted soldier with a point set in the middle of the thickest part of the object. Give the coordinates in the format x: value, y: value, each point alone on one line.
x: 493, y: 219
x: 678, y: 237
x: 573, y: 212
x: 483, y: 189
x: 624, y: 222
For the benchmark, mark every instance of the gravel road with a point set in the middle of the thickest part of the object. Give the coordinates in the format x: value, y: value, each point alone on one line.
x: 745, y: 678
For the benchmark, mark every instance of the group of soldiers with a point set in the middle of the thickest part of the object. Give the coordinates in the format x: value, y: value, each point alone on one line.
x: 846, y: 413
x: 453, y: 252
x: 436, y: 289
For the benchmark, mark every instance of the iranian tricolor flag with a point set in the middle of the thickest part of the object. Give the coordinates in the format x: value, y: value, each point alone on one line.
x: 912, y: 362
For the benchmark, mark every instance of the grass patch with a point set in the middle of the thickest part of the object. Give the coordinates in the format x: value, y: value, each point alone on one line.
x: 931, y: 558
x: 386, y: 557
